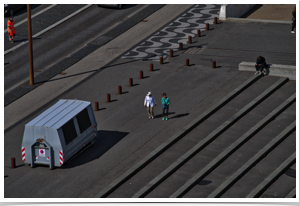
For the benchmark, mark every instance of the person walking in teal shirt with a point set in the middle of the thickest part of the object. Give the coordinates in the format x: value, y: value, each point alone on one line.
x: 165, y: 106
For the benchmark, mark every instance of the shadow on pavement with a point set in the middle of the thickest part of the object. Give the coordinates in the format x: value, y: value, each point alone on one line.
x: 170, y: 113
x: 248, y: 13
x: 104, y: 142
x: 180, y: 115
x: 84, y: 72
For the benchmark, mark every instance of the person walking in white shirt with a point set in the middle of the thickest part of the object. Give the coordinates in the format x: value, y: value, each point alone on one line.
x: 149, y: 103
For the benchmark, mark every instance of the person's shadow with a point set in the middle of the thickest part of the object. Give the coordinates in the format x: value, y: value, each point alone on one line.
x: 160, y: 115
x: 174, y: 117
x: 180, y: 115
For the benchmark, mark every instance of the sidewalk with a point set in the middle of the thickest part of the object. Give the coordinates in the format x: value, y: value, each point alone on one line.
x: 125, y: 133
x: 17, y: 110
x: 282, y: 12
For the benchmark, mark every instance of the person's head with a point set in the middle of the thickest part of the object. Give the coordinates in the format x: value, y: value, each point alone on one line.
x: 259, y: 57
x: 149, y: 94
x: 164, y: 95
x: 11, y: 18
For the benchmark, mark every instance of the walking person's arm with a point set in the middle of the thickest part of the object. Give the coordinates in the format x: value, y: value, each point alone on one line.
x: 145, y: 101
x: 163, y: 102
x: 153, y: 100
x: 168, y: 102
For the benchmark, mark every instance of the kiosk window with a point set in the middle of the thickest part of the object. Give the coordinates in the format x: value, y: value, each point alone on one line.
x: 69, y: 131
x: 83, y: 120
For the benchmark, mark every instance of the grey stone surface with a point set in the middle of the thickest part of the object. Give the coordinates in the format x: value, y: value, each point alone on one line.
x: 126, y: 135
x: 257, y: 157
x: 272, y: 177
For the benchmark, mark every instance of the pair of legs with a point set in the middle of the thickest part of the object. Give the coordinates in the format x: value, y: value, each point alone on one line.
x: 11, y: 36
x: 150, y: 111
x: 259, y: 68
x: 165, y: 112
x: 293, y: 26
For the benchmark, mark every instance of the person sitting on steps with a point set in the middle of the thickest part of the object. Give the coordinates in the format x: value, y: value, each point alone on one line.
x: 260, y: 64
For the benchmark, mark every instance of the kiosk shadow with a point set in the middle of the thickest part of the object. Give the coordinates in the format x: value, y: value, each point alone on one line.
x: 105, y: 141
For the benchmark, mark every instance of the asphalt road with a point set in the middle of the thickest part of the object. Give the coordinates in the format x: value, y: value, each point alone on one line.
x: 61, y: 41
x: 22, y: 13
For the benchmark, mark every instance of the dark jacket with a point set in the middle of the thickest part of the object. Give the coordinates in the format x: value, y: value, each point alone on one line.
x: 262, y: 61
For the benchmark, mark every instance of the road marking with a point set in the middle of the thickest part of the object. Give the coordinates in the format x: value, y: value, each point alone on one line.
x: 48, y: 28
x: 24, y: 20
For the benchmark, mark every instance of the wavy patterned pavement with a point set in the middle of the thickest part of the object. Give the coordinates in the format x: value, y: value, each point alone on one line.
x: 178, y: 31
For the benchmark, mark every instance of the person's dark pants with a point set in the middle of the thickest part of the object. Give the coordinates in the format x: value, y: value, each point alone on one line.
x: 260, y: 68
x: 165, y: 111
x: 293, y: 25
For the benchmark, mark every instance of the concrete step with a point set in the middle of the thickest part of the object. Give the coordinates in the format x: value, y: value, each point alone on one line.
x: 232, y: 148
x: 196, y: 150
x: 277, y: 70
x: 157, y: 171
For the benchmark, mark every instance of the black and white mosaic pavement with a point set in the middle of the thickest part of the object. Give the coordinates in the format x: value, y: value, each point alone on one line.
x: 176, y: 32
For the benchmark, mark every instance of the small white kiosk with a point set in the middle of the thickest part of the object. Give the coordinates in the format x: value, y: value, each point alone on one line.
x: 58, y: 133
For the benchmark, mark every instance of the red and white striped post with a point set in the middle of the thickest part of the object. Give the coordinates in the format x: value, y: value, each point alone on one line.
x: 23, y: 154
